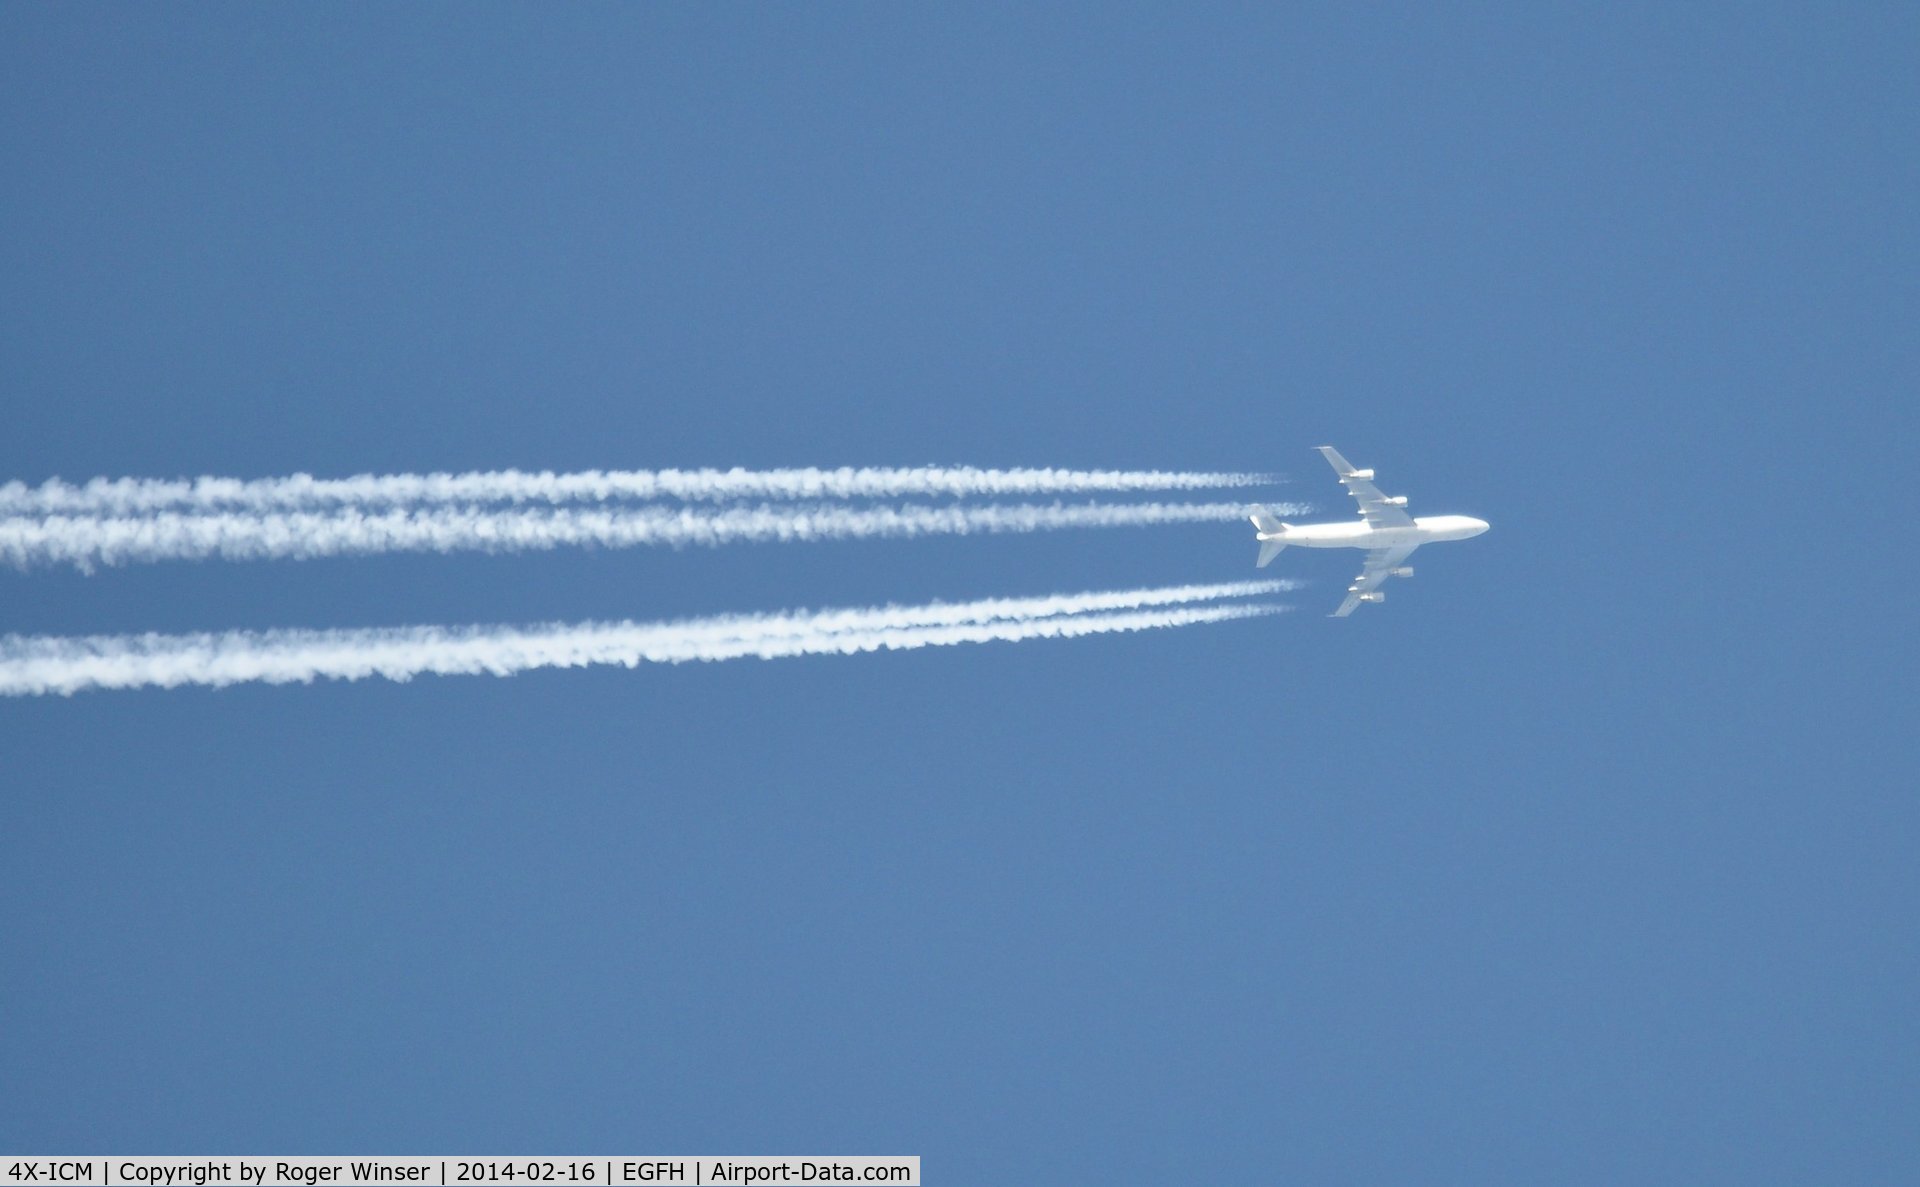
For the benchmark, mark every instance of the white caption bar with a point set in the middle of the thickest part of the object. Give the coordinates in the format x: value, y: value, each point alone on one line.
x: 96, y: 1171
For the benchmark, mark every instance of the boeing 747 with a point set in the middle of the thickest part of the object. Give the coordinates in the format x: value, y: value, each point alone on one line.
x: 1384, y: 529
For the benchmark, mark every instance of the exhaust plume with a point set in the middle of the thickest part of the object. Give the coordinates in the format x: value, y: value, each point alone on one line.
x: 88, y: 541
x: 139, y: 496
x: 30, y: 665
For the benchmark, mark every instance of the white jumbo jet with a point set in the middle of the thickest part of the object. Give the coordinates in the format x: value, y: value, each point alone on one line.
x: 1384, y: 529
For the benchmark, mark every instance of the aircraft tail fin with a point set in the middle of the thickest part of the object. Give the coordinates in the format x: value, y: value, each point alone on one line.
x: 1267, y: 526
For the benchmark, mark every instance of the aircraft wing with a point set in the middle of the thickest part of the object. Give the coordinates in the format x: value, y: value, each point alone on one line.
x: 1376, y: 508
x: 1380, y: 565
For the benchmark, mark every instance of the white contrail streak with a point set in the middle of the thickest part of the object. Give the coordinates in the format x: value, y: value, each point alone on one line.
x: 31, y: 665
x: 137, y: 496
x: 87, y: 541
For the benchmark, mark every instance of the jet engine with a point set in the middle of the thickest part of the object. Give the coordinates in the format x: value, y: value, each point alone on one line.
x: 1397, y: 501
x: 1375, y: 596
x: 1403, y: 571
x: 1365, y: 474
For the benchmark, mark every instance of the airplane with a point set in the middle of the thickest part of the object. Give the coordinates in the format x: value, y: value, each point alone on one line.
x: 1384, y: 529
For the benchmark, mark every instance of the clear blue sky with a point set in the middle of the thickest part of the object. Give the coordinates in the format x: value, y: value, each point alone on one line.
x: 1589, y: 858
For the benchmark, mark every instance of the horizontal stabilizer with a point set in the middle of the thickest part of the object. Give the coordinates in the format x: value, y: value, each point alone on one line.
x: 1271, y: 535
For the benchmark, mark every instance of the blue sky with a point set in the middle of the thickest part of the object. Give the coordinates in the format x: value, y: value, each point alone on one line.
x: 1588, y: 858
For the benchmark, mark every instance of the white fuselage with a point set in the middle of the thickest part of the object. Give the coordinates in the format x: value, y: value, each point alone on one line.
x: 1358, y: 533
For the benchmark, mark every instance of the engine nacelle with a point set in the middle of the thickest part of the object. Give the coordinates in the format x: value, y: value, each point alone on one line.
x: 1397, y: 501
x: 1375, y: 596
x: 1367, y: 474
x: 1403, y: 571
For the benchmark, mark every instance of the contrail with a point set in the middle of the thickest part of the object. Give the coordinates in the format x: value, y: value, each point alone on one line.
x: 30, y: 665
x: 87, y: 541
x: 137, y: 496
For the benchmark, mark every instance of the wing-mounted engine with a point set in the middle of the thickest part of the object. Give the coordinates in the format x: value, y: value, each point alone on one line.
x: 1402, y: 571
x: 1376, y: 596
x: 1396, y: 501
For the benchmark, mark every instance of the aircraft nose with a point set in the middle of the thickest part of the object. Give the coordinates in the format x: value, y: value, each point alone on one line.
x: 1480, y: 525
